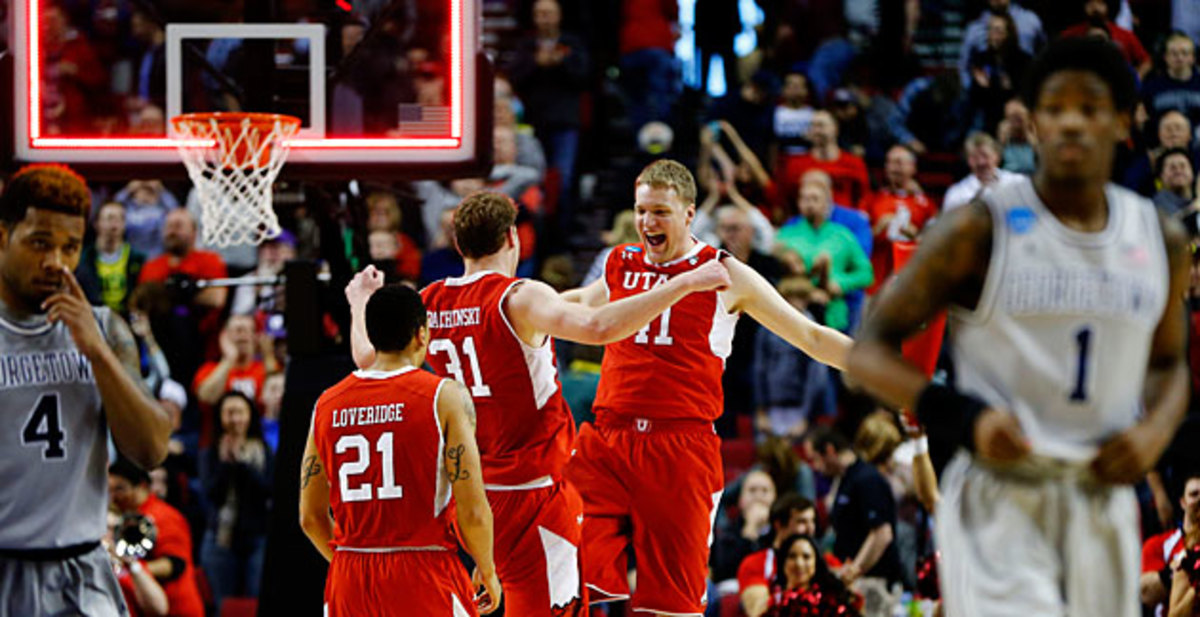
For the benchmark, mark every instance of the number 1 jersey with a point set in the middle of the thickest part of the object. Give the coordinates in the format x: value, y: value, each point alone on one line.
x: 525, y: 430
x: 671, y: 369
x: 380, y: 439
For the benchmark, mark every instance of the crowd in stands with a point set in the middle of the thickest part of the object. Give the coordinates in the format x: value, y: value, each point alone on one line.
x: 840, y: 138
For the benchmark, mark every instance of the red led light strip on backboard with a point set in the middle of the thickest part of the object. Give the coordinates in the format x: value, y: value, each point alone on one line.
x: 36, y: 140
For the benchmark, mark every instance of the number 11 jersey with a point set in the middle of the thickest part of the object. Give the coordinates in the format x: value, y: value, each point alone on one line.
x: 671, y: 369
x: 525, y: 430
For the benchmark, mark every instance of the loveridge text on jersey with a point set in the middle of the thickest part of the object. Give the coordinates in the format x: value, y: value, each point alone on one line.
x: 370, y: 414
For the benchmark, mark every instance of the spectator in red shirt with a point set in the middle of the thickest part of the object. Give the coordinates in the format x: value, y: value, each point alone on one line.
x: 1096, y: 13
x: 180, y: 257
x: 170, y: 561
x: 851, y: 186
x: 898, y: 211
x: 647, y: 40
x: 239, y: 369
x: 790, y: 514
x: 1161, y: 553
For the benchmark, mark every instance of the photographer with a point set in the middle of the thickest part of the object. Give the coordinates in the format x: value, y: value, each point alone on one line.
x: 143, y: 594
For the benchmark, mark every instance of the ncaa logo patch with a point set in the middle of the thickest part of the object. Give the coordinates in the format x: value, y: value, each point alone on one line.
x: 633, y: 248
x: 1021, y: 219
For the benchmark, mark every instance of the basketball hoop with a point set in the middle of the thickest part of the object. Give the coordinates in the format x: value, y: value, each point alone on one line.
x: 233, y: 159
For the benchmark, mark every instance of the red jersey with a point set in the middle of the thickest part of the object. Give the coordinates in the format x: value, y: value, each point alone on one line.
x: 888, y: 203
x: 758, y: 568
x: 174, y: 540
x: 196, y: 264
x: 379, y: 436
x: 1160, y: 550
x: 525, y: 430
x: 670, y: 369
x: 851, y: 184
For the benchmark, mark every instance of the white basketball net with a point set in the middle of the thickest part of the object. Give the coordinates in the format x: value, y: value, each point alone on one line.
x: 233, y: 163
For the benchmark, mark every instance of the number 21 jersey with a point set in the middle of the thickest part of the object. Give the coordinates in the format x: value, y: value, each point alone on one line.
x: 671, y: 369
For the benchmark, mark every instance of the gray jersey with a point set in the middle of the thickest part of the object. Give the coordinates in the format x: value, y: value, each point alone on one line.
x: 54, y: 457
x: 1062, y: 332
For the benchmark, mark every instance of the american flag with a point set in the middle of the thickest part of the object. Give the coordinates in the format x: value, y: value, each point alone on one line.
x: 423, y: 121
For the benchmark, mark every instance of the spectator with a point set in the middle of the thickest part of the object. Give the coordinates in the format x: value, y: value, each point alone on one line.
x: 846, y: 105
x: 740, y: 534
x: 443, y: 260
x: 898, y: 211
x: 147, y: 305
x: 152, y: 67
x: 550, y: 70
x: 508, y: 176
x: 851, y: 185
x: 1174, y: 131
x: 147, y: 203
x: 717, y: 22
x: 791, y: 514
x: 745, y: 180
x: 109, y: 267
x: 792, y: 117
x: 1176, y: 176
x: 273, y: 255
x: 143, y: 595
x: 1030, y: 35
x: 983, y: 157
x: 804, y: 585
x: 705, y: 225
x: 647, y: 46
x: 73, y: 78
x: 272, y: 406
x: 1097, y: 14
x: 996, y: 71
x: 735, y: 233
x: 170, y: 561
x: 1016, y: 138
x: 236, y: 474
x: 1161, y: 553
x: 508, y: 110
x: 1177, y: 85
x: 624, y: 231
x: 384, y: 215
x: 863, y: 513
x: 927, y: 115
x: 829, y: 254
x: 750, y: 110
x: 241, y: 368
x: 790, y: 388
x: 181, y: 258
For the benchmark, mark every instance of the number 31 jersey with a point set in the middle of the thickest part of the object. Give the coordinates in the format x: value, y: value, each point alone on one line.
x: 1062, y: 331
x: 525, y: 430
x: 671, y: 369
x: 380, y: 439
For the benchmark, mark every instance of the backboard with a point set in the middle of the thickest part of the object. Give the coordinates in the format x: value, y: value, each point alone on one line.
x: 383, y: 87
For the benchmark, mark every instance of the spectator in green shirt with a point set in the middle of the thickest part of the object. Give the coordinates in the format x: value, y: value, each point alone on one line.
x: 831, y: 256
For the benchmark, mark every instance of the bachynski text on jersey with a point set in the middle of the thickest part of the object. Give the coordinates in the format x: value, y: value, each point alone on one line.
x: 32, y: 369
x: 454, y: 318
x: 371, y: 414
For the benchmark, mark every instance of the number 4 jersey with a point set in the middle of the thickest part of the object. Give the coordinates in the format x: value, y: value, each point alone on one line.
x: 671, y: 369
x: 380, y: 439
x: 1062, y: 331
x: 55, y: 456
x: 525, y: 430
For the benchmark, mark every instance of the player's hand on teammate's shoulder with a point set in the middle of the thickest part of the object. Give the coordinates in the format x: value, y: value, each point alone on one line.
x: 999, y: 438
x: 364, y: 283
x: 71, y: 307
x: 487, y: 600
x: 711, y: 275
x: 1129, y: 455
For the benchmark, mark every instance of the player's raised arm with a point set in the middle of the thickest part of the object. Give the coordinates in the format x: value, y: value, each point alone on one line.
x: 593, y: 294
x: 456, y: 411
x: 755, y: 296
x: 1130, y: 454
x: 534, y: 307
x: 358, y: 291
x: 314, y: 500
x: 140, y: 427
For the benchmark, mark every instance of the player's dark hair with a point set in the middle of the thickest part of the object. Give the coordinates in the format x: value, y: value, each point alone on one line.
x: 1101, y: 58
x: 785, y: 504
x: 125, y: 468
x: 395, y: 315
x: 481, y: 222
x: 823, y: 436
x: 1161, y: 161
x: 254, y: 431
x: 44, y: 186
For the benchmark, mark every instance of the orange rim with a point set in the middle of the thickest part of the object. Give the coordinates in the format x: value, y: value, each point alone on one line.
x: 225, y: 118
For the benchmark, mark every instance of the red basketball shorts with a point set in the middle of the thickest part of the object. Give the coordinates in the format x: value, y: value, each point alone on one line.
x: 656, y: 485
x: 402, y: 583
x: 537, y: 535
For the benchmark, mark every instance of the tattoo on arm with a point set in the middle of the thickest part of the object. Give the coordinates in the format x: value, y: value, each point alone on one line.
x: 454, y: 463
x: 120, y: 338
x: 312, y: 468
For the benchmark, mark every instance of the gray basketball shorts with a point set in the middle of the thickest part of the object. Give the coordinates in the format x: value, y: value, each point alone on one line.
x: 78, y: 585
x: 1044, y: 540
